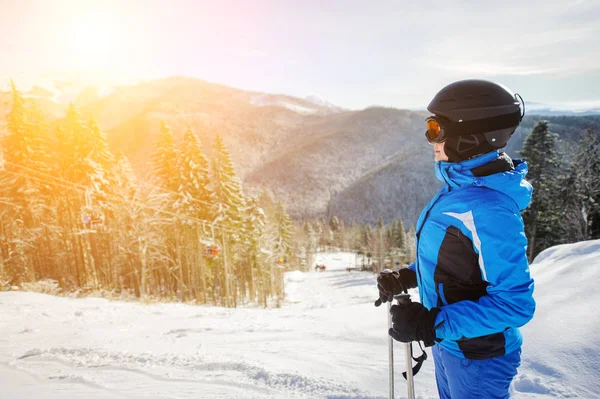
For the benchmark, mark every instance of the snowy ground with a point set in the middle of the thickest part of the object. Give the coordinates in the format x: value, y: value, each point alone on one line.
x: 327, y: 341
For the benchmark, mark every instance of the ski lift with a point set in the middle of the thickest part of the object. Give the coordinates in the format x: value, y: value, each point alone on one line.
x: 91, y: 216
x: 211, y: 248
x: 282, y: 262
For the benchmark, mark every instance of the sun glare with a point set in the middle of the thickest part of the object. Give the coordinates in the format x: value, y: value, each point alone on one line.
x: 95, y: 44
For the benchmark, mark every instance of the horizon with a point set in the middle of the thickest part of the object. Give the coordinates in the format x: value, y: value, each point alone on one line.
x: 348, y: 53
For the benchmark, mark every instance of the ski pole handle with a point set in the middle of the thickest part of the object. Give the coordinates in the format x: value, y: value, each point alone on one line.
x: 404, y: 299
x: 378, y: 301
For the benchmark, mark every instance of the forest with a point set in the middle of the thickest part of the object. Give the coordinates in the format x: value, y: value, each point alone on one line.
x: 76, y: 219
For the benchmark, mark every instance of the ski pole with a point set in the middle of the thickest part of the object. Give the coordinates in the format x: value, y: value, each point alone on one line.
x: 404, y: 299
x: 390, y: 353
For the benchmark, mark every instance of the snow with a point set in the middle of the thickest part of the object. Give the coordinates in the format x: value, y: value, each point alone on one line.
x: 265, y: 100
x: 562, y: 355
x: 326, y: 341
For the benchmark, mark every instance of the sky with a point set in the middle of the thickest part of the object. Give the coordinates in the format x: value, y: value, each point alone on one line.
x: 352, y: 53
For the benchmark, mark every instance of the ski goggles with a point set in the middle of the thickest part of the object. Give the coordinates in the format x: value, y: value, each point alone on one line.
x: 439, y: 128
x: 435, y: 131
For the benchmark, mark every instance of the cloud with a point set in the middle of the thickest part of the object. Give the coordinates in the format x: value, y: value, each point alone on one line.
x: 545, y: 39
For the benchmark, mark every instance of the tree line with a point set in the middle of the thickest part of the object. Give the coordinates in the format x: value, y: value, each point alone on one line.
x: 377, y: 247
x: 565, y: 206
x: 73, y: 212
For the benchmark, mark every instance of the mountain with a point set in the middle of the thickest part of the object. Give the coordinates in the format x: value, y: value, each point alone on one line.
x: 534, y: 108
x: 253, y: 125
x: 571, y: 129
x: 320, y: 159
x: 308, y: 153
x: 346, y: 152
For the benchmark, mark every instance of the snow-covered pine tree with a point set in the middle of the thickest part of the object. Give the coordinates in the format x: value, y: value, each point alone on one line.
x: 283, y: 244
x: 228, y: 198
x: 284, y: 230
x: 228, y: 207
x: 411, y: 248
x: 253, y: 272
x: 42, y: 159
x: 127, y: 216
x: 542, y: 217
x: 166, y: 176
x: 194, y: 179
x: 193, y: 203
x: 334, y: 227
x: 125, y: 180
x: 380, y: 238
x: 580, y: 191
x: 20, y: 189
x: 400, y: 239
x: 84, y: 159
x: 100, y: 154
x: 164, y: 160
x: 312, y: 241
x: 22, y: 153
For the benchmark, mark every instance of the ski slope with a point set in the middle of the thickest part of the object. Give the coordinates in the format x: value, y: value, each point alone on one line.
x: 327, y: 341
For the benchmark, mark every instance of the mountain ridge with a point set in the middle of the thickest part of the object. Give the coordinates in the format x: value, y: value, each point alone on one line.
x: 354, y: 164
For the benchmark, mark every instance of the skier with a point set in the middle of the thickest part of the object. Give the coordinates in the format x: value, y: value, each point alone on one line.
x: 471, y: 266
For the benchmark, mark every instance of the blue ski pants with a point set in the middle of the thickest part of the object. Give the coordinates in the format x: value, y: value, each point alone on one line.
x: 459, y: 378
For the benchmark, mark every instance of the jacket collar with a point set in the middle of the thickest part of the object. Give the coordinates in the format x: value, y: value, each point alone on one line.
x: 511, y: 182
x: 457, y: 174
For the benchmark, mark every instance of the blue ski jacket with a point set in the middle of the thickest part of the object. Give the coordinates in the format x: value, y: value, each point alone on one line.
x: 471, y: 256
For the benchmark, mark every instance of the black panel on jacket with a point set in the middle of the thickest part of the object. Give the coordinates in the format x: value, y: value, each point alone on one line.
x: 485, y: 347
x: 457, y: 277
x: 457, y: 261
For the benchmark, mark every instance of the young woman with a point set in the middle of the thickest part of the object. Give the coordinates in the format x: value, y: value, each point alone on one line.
x: 471, y: 268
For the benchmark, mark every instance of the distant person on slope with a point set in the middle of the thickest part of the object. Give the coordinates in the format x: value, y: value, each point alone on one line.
x: 471, y: 266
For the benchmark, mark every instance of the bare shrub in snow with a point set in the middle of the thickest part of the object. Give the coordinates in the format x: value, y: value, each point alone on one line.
x: 4, y: 284
x: 46, y: 286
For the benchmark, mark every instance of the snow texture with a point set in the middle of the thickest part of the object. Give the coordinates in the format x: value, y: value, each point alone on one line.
x: 327, y: 341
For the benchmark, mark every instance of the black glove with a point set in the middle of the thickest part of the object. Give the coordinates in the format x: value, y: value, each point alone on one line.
x: 394, y: 283
x: 413, y: 322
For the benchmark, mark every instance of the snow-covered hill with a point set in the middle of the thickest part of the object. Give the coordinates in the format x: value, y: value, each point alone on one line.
x: 327, y: 341
x: 562, y: 350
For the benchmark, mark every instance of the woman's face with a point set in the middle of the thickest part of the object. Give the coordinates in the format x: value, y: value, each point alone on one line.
x: 440, y: 155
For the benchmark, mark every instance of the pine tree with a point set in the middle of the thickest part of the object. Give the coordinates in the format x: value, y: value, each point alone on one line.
x: 194, y: 178
x: 580, y: 191
x: 164, y: 160
x: 411, y: 245
x: 380, y: 244
x: 400, y: 240
x: 285, y: 226
x: 100, y: 155
x: 19, y: 184
x: 542, y: 217
x: 20, y: 189
x: 125, y: 180
x: 228, y: 198
x: 254, y: 226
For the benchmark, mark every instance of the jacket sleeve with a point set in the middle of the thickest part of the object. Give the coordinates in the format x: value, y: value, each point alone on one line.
x: 499, y: 240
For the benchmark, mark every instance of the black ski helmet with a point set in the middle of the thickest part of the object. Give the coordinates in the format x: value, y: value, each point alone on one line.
x: 478, y: 116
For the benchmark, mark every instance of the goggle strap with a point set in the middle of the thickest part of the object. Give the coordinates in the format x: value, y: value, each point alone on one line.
x: 523, y: 104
